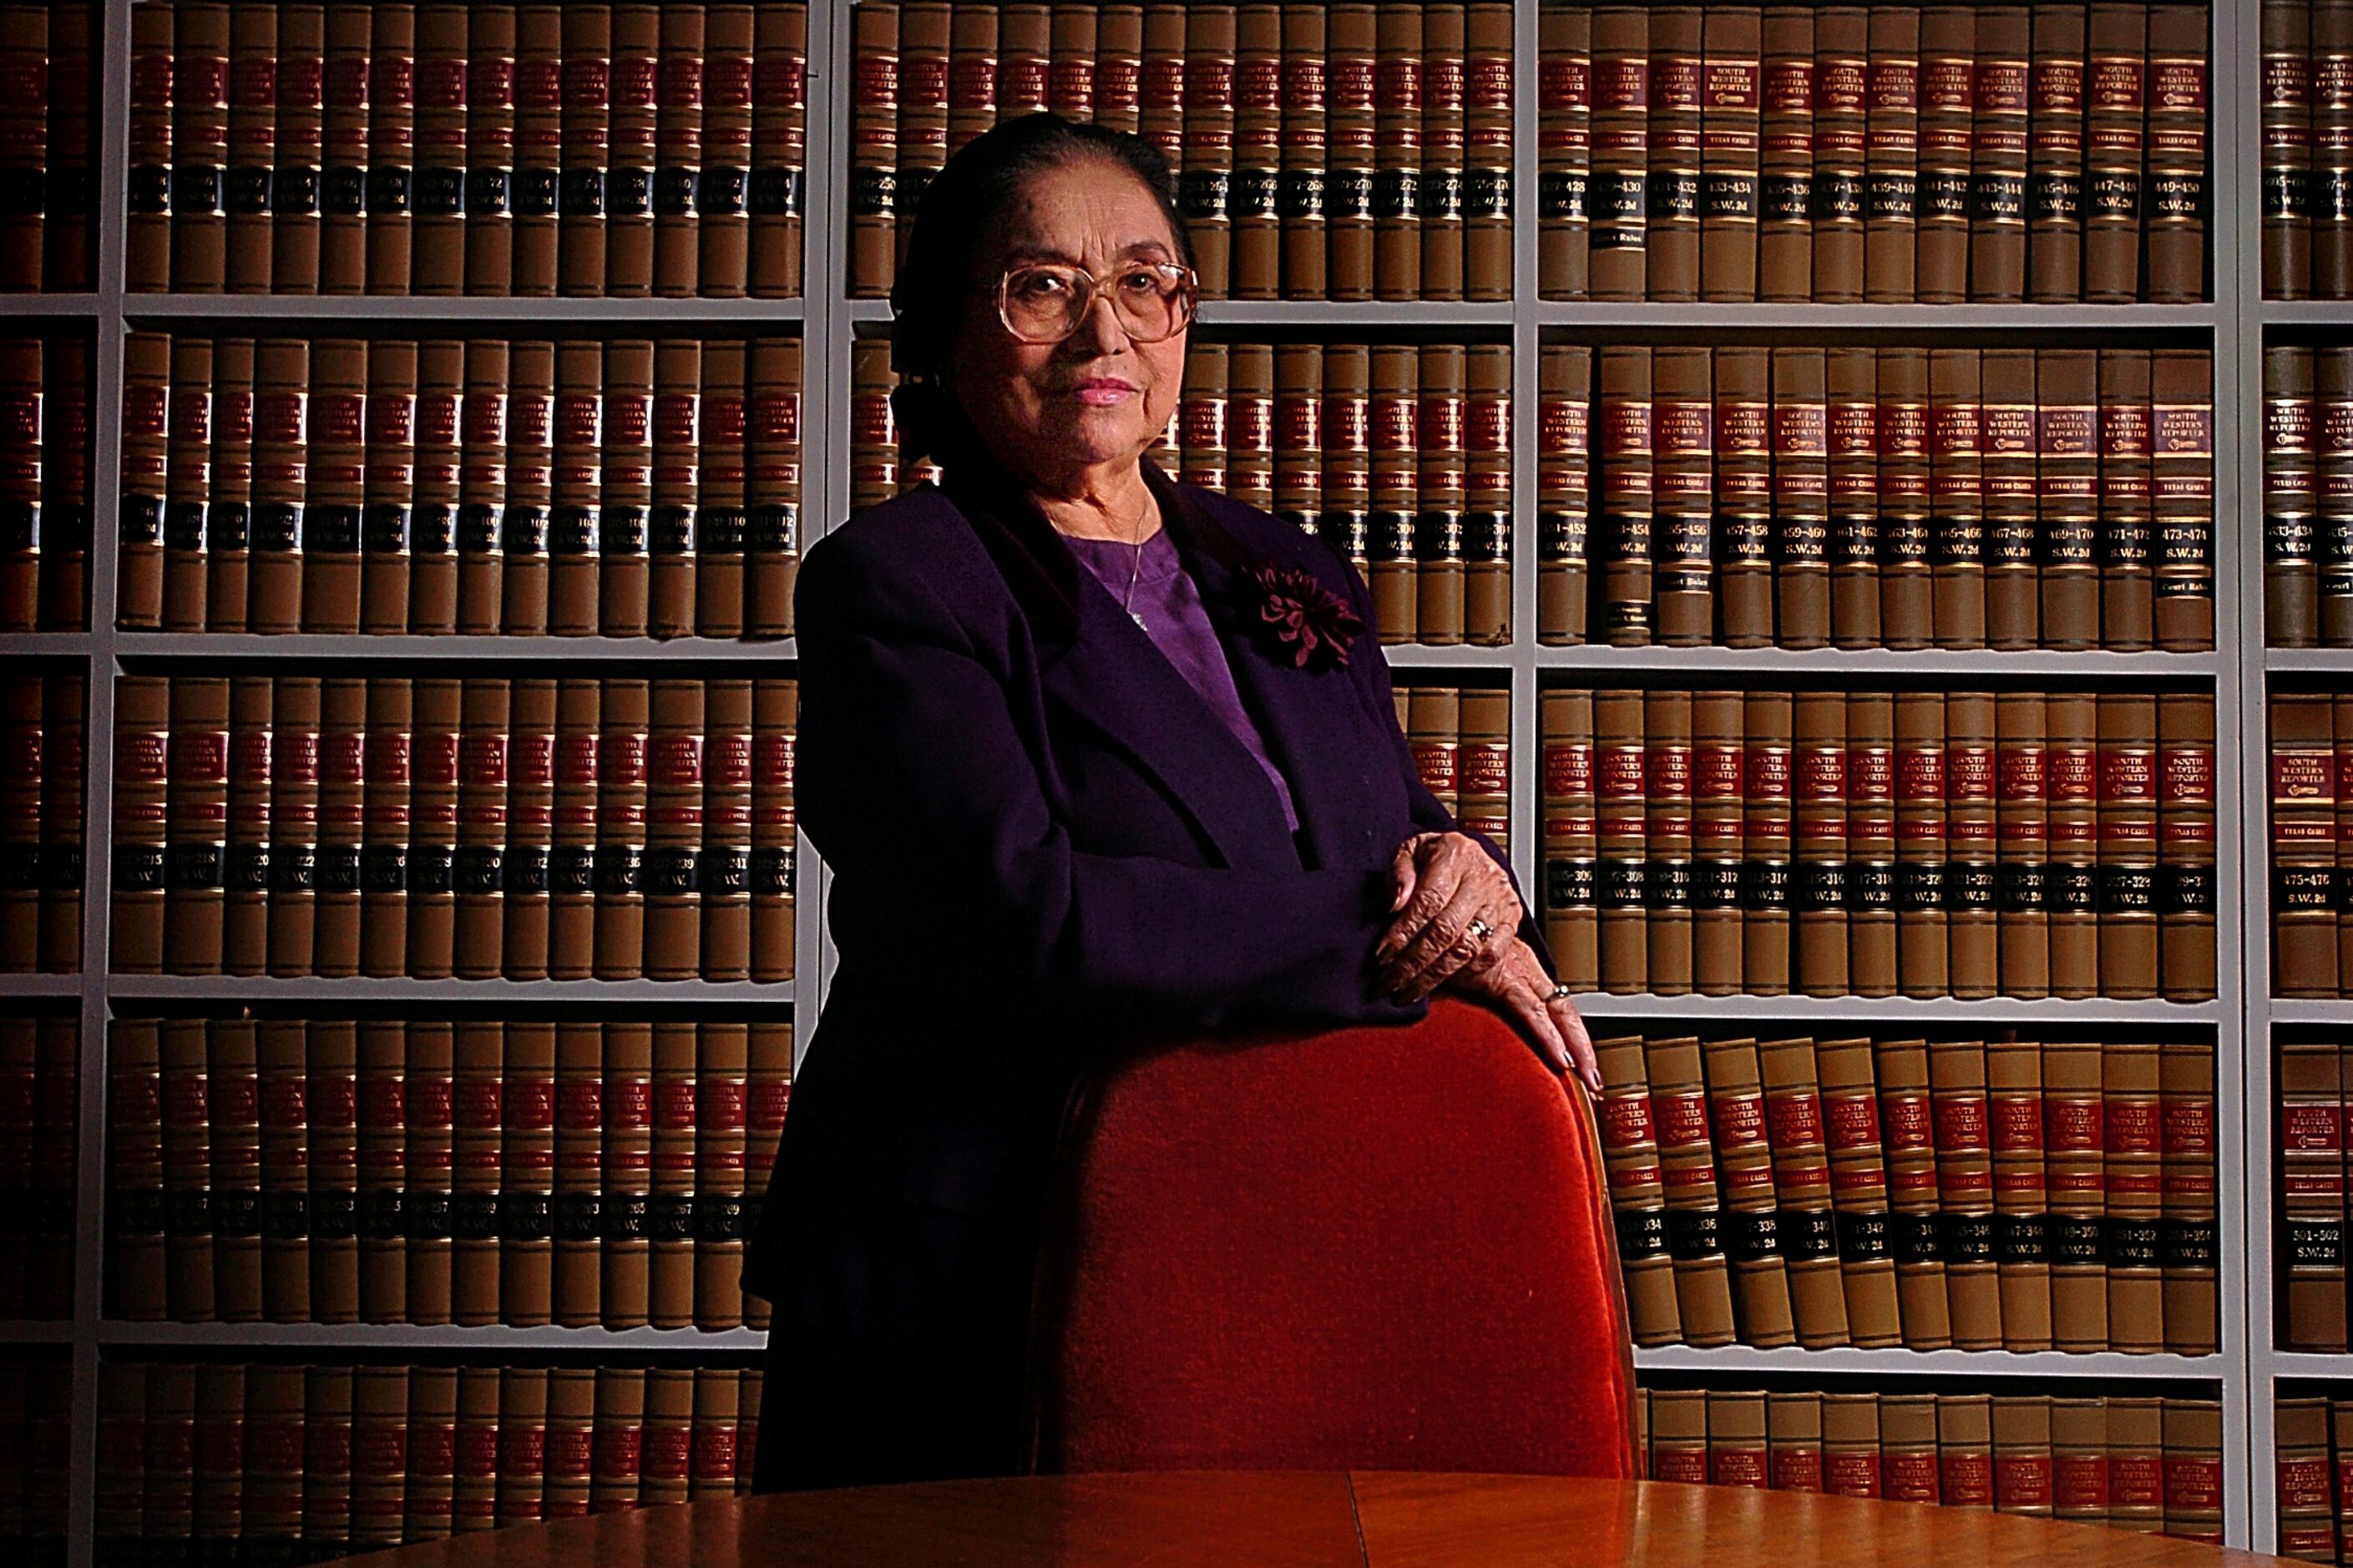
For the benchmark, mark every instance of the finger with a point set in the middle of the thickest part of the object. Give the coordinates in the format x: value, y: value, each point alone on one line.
x: 1440, y: 947
x: 1535, y: 1021
x: 1579, y: 1040
x: 1403, y: 872
x: 1432, y: 892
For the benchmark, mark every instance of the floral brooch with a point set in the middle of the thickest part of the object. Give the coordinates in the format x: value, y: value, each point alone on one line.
x: 1298, y: 620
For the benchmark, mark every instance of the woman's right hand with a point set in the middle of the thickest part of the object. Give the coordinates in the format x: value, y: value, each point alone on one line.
x: 1515, y: 983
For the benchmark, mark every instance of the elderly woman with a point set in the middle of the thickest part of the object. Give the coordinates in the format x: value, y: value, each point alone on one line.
x: 1097, y: 760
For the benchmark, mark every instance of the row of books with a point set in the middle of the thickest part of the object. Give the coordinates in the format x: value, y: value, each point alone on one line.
x: 1349, y: 151
x: 483, y: 1170
x: 2312, y: 1467
x: 2314, y: 1078
x: 2308, y: 141
x: 1921, y: 843
x: 1876, y: 497
x: 1955, y: 1194
x: 36, y: 1424
x: 39, y: 1112
x: 1936, y: 152
x: 1461, y: 737
x: 43, y: 715
x: 2308, y: 496
x: 2312, y: 833
x: 439, y: 149
x: 229, y: 1462
x: 45, y: 484
x: 580, y: 488
x: 529, y: 828
x: 49, y: 146
x: 2151, y: 1465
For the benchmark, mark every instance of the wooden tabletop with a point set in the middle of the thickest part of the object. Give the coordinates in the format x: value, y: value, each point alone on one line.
x: 1303, y: 1516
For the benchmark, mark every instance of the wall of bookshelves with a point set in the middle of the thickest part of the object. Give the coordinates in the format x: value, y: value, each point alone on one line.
x: 2240, y: 1020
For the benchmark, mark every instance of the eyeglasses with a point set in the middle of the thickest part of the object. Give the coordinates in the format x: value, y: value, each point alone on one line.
x: 1045, y: 302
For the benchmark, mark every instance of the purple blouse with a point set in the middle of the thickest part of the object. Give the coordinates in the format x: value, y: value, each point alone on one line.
x: 1170, y: 605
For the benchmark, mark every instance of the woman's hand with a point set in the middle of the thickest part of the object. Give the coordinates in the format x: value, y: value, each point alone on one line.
x: 1516, y: 985
x: 1444, y: 882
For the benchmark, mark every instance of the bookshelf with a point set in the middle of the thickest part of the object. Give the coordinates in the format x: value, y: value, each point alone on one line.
x: 2241, y: 1018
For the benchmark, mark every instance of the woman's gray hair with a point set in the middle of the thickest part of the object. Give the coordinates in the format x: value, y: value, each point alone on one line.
x: 967, y: 199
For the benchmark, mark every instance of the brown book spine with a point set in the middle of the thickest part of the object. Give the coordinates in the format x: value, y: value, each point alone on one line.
x: 769, y: 1093
x: 1716, y: 842
x: 2074, y: 1138
x: 575, y: 533
x: 527, y: 523
x: 390, y: 797
x: 189, y: 1280
x: 630, y: 1055
x: 297, y: 186
x: 537, y: 187
x: 21, y: 739
x: 2022, y: 1455
x: 672, y: 873
x: 147, y: 231
x: 577, y: 1212
x: 572, y: 863
x: 1998, y: 206
x: 2067, y: 481
x: 1675, y: 153
x: 1622, y: 883
x: 1483, y: 803
x: 680, y: 100
x: 1679, y: 1436
x: 2333, y: 447
x: 722, y: 1060
x: 626, y: 492
x: 2127, y: 535
x: 442, y: 221
x: 1820, y: 891
x: 245, y: 865
x: 330, y: 1106
x: 1667, y: 857
x: 622, y: 775
x: 449, y: 1176
x: 670, y: 1438
x: 2288, y: 139
x: 1684, y: 439
x: 1958, y: 498
x: 435, y: 770
x: 725, y: 863
x: 24, y: 55
x: 571, y: 1446
x: 1487, y: 497
x: 671, y: 517
x: 334, y: 511
x: 442, y: 1421
x: 1965, y: 1192
x: 68, y: 220
x: 249, y: 177
x: 228, y: 520
x: 2327, y: 156
x: 874, y: 140
x: 1972, y: 889
x: 1618, y: 196
x: 527, y: 1175
x: 2181, y: 420
x: 294, y: 769
x: 379, y: 1449
x: 1801, y: 1179
x: 1400, y: 155
x: 2072, y: 775
x: 1743, y: 496
x: 2012, y: 485
x: 1732, y: 98
x: 1564, y: 459
x: 392, y: 150
x: 1627, y: 444
x: 2187, y: 845
x: 2020, y: 1192
x: 1871, y: 942
x: 777, y: 171
x: 2055, y: 191
x: 1440, y: 425
x: 1802, y: 567
x: 2186, y: 1100
x: 187, y: 484
x: 200, y: 48
x: 137, y: 1193
x: 233, y: 1096
x: 142, y: 754
x: 1785, y: 220
x: 1842, y: 140
x: 1851, y: 380
x: 620, y: 1438
x: 1736, y: 1447
x: 146, y: 426
x: 1891, y: 155
x: 2133, y: 1151
x: 440, y: 466
x: 1851, y: 1445
x: 479, y: 527
x: 722, y: 195
x: 69, y: 375
x: 1858, y: 1188
x: 633, y: 129
x: 281, y: 378
x: 2128, y: 846
x: 724, y: 525
x: 2022, y: 843
x: 1909, y: 1139
x: 346, y: 186
x: 1487, y: 198
x: 2193, y: 1469
x: 1766, y: 891
x: 1083, y: 88
x: 1394, y: 440
x: 525, y: 859
x: 2177, y: 195
x: 2114, y: 138
x: 391, y: 488
x: 2304, y: 1479
x: 64, y: 725
x: 1442, y: 186
x: 1571, y: 871
x: 587, y: 191
x: 1694, y: 1218
x: 490, y: 195
x: 1948, y: 110
x: 324, y: 931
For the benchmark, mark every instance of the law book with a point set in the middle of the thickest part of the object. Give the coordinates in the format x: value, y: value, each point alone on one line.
x: 2071, y: 771
x: 626, y: 489
x: 2022, y: 843
x: 1570, y: 824
x: 2341, y: 1436
x: 1719, y: 722
x: 2330, y: 156
x: 1483, y: 766
x: 1622, y: 872
x: 1913, y: 1466
x: 1737, y: 1447
x: 2312, y: 1195
x: 1618, y: 194
x: 1732, y: 93
x: 388, y: 827
x: 490, y: 164
x: 668, y: 1219
x: 1965, y: 1192
x: 2132, y: 1146
x: 1785, y: 216
x: 1563, y: 489
x: 1803, y: 1182
x: 2021, y: 1454
x: 334, y: 918
x: 2007, y: 381
x: 767, y: 1096
x: 147, y: 224
x: 21, y: 483
x: 250, y: 144
x: 620, y: 1428
x: 576, y: 527
x: 621, y: 828
x: 2054, y: 193
x: 392, y: 150
x: 2002, y: 133
x: 1676, y: 134
x: 436, y: 491
x: 1444, y: 186
x: 1872, y: 947
x: 1439, y: 531
x: 1851, y: 387
x: 1679, y: 1435
x: 25, y: 54
x: 1629, y: 443
x: 1683, y: 596
x: 1694, y: 1219
x: 295, y: 719
x: 138, y: 1203
x: 2115, y: 143
x: 1393, y: 439
x: 188, y: 1260
x: 1767, y: 890
x: 1842, y: 140
x: 228, y: 520
x: 145, y: 437
x: 526, y: 1174
x: 2176, y: 194
x: 2186, y: 1100
x: 2287, y: 149
x: 721, y: 1063
x: 232, y: 1094
x: 1802, y: 567
x: 435, y: 771
x: 1947, y: 93
x: 1966, y: 1473
x: 296, y: 178
x: 1818, y: 884
x: 674, y: 827
x: 143, y: 752
x: 386, y: 531
x: 724, y: 856
x: 768, y: 481
x: 526, y: 855
x: 441, y: 221
x: 1345, y: 413
x: 673, y: 456
x: 347, y: 180
x: 1857, y: 1181
x: 1352, y: 39
x: 775, y: 707
x: 2128, y: 529
x: 2333, y: 422
x: 536, y: 189
x: 2193, y: 1469
x: 1743, y: 525
x: 432, y: 1273
x: 279, y: 509
x: 1637, y: 1194
x: 1753, y: 1236
x: 1399, y: 154
x: 330, y: 1109
x: 632, y: 131
x: 577, y: 1196
x: 2182, y: 418
x: 778, y: 161
x: 2021, y: 1250
x: 281, y: 1048
x: 680, y: 111
x: 2186, y: 847
x: 22, y: 700
x: 2080, y: 1492
x: 2074, y: 1139
x: 2303, y: 1477
x: 2067, y: 481
x: 584, y: 188
x: 334, y: 501
x: 187, y: 485
x: 200, y: 50
x: 570, y: 1449
x: 1972, y: 873
x: 525, y: 524
x: 1891, y: 183
x: 1850, y: 1462
x: 69, y: 375
x: 1487, y: 527
x: 2128, y: 845
x: 1082, y: 90
x: 196, y: 826
x: 632, y: 1055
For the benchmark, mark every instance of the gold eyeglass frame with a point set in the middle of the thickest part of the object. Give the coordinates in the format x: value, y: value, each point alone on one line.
x: 1189, y: 291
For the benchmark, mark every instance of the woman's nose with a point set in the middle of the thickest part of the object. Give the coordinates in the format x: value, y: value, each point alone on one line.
x: 1100, y: 329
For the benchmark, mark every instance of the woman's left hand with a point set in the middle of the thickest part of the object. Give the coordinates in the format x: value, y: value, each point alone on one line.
x: 1444, y: 882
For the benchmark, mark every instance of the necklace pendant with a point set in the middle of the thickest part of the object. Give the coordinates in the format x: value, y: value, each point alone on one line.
x: 1136, y: 616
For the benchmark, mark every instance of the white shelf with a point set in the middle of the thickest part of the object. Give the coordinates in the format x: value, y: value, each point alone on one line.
x: 309, y: 646
x: 284, y: 988
x: 43, y: 985
x: 1834, y: 319
x: 2309, y: 1363
x: 2307, y: 312
x: 37, y: 1332
x: 44, y: 645
x: 422, y: 311
x: 29, y: 306
x: 1897, y: 1361
x: 2309, y: 660
x: 2335, y: 1011
x: 2014, y: 663
x: 121, y: 1335
x: 1900, y: 1012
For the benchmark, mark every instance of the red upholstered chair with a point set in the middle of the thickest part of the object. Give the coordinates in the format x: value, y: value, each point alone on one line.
x: 1374, y: 1248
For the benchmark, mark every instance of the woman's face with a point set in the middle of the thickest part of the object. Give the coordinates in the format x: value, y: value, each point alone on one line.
x: 1096, y: 397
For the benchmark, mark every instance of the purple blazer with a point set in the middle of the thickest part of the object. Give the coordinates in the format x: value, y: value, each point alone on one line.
x: 1046, y: 848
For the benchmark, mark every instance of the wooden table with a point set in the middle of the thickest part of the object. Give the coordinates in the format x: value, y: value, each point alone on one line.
x: 1303, y: 1516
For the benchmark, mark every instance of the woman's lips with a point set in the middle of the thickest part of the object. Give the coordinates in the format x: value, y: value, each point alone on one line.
x: 1103, y: 392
